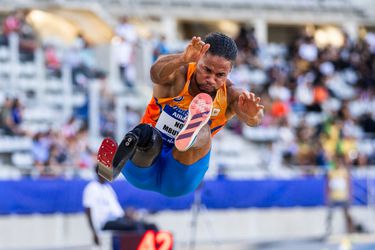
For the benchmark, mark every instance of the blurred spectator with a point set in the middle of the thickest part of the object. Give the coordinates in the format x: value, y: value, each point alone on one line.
x: 106, y: 108
x: 11, y: 117
x: 28, y: 41
x: 241, y: 74
x: 70, y: 128
x: 124, y: 52
x: 17, y: 110
x: 308, y: 50
x: 55, y: 160
x: 305, y: 139
x: 40, y: 151
x: 279, y: 91
x: 246, y: 41
x: 6, y: 121
x: 12, y: 24
x: 287, y: 142
x: 124, y: 56
x: 338, y: 192
x: 16, y: 23
x: 52, y: 61
x: 86, y: 157
x: 279, y: 109
x: 160, y: 47
x: 370, y: 39
x: 81, y: 59
x: 127, y: 31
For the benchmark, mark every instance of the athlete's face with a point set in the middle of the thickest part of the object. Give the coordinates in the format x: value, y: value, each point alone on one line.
x: 211, y: 73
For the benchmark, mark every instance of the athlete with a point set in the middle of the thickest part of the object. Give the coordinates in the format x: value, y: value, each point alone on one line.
x: 169, y: 151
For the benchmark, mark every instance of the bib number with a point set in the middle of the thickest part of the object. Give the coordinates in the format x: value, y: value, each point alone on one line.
x: 170, y: 122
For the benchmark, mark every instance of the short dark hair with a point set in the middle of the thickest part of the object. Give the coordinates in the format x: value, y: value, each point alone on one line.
x: 221, y: 45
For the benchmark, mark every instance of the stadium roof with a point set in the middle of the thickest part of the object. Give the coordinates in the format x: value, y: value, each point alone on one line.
x: 274, y: 10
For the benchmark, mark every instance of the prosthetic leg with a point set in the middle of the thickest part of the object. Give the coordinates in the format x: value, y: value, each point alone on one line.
x: 142, y: 145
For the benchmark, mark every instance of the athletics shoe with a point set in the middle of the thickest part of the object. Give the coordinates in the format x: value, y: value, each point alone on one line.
x: 112, y: 158
x: 199, y: 114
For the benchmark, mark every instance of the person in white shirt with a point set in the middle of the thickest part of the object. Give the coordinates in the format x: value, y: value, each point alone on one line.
x: 124, y: 52
x: 104, y: 211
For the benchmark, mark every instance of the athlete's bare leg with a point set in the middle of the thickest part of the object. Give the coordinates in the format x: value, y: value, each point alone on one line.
x: 200, y: 148
x: 194, y: 140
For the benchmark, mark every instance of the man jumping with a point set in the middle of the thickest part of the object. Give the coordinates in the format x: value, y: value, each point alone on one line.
x: 169, y: 151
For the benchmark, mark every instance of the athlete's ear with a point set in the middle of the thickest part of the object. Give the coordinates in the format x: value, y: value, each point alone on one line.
x: 232, y: 63
x: 205, y: 49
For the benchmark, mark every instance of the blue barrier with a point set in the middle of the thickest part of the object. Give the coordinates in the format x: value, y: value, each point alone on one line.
x: 65, y: 196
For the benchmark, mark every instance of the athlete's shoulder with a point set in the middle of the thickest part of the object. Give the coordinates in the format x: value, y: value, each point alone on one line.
x: 175, y: 87
x: 229, y: 84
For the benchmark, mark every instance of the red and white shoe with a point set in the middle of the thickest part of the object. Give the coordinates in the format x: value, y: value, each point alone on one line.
x: 105, y: 156
x: 199, y: 114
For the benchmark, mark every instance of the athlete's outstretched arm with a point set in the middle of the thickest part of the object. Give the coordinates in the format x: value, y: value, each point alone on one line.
x: 246, y: 106
x: 163, y: 71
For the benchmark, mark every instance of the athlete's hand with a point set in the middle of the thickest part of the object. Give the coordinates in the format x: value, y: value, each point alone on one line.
x: 195, y: 50
x: 249, y: 106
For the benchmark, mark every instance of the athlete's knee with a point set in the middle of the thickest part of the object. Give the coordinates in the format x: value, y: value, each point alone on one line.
x: 149, y: 145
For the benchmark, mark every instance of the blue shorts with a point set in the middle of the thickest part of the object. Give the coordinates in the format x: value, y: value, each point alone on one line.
x: 167, y: 176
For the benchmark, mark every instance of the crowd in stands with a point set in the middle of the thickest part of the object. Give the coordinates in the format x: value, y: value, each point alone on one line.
x: 320, y: 99
x: 54, y: 151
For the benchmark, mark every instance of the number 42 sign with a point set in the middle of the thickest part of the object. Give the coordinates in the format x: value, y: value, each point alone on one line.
x: 152, y: 240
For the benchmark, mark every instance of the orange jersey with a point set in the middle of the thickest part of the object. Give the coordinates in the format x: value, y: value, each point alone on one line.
x: 169, y: 114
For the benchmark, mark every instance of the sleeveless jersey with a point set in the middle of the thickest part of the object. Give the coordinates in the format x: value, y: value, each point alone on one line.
x: 169, y: 114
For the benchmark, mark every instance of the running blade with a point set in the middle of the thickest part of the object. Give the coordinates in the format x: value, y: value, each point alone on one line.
x: 112, y: 158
